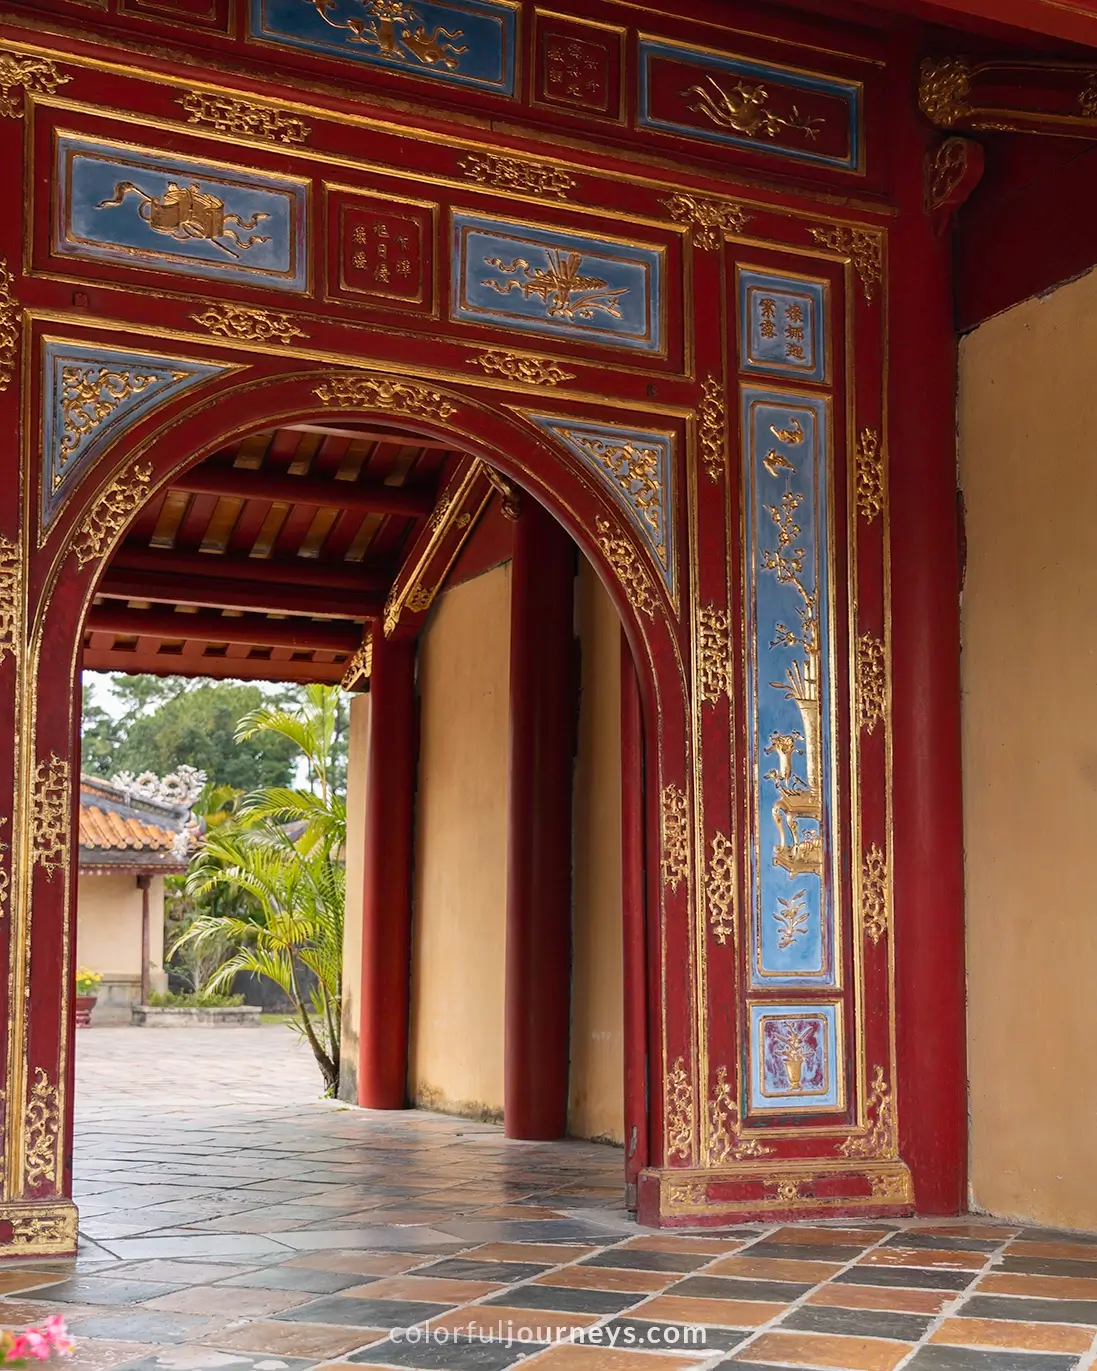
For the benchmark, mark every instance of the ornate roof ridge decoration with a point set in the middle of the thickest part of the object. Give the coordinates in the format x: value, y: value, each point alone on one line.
x: 1003, y: 95
x: 91, y: 395
x: 179, y: 787
x: 709, y: 218
x: 862, y: 246
x: 513, y: 366
x: 248, y: 324
x: 636, y: 467
x: 389, y: 394
x: 35, y: 75
x: 225, y: 114
x: 9, y: 325
x: 524, y: 175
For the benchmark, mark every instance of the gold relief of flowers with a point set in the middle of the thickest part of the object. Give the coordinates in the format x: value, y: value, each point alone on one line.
x: 679, y: 1113
x: 871, y: 682
x: 724, y: 1142
x: 627, y: 567
x: 713, y: 654
x: 223, y: 114
x: 360, y: 666
x: 864, y: 248
x: 793, y: 1050
x: 518, y: 174
x: 9, y: 325
x: 249, y: 325
x: 36, y: 75
x: 532, y: 371
x: 674, y: 836
x: 50, y: 821
x: 89, y: 396
x: 712, y: 429
x: 384, y: 393
x: 880, y: 1138
x: 11, y: 599
x: 720, y: 889
x: 874, y: 915
x: 41, y: 1132
x: 111, y: 512
x: 709, y: 219
x: 636, y: 470
x: 792, y: 919
x: 870, y: 474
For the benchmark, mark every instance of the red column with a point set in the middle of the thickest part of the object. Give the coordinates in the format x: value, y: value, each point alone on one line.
x: 634, y: 922
x: 386, y: 903
x: 542, y: 729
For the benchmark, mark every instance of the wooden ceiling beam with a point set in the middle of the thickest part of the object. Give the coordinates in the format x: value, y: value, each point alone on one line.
x: 148, y: 662
x: 260, y: 597
x: 302, y: 635
x: 244, y: 484
x: 303, y: 572
x: 395, y: 437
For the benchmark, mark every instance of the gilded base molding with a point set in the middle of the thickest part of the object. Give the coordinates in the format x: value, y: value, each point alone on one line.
x: 768, y: 1190
x: 38, y: 1230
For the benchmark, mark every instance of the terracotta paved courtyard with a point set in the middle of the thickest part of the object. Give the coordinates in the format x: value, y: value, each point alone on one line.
x: 233, y: 1222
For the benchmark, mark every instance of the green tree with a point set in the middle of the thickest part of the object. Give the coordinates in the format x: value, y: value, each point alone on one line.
x: 285, y: 854
x: 100, y: 737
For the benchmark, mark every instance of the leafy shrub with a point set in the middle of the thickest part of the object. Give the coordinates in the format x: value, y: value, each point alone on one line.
x: 205, y: 999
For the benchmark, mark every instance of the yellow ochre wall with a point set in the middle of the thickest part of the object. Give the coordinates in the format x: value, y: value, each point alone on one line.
x: 456, y: 1059
x: 108, y: 937
x: 1027, y: 410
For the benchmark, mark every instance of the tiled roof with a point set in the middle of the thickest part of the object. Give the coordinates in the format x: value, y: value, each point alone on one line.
x: 103, y: 828
x: 121, y: 830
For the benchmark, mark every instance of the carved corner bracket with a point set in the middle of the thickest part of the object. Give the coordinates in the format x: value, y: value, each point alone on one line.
x: 952, y: 171
x: 1056, y: 98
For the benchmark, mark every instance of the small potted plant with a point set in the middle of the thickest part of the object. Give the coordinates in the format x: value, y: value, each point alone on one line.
x: 87, y: 992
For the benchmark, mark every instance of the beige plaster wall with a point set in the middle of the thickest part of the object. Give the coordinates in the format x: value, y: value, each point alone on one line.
x: 357, y: 760
x: 456, y: 1059
x: 1027, y: 413
x: 596, y: 1104
x: 108, y: 936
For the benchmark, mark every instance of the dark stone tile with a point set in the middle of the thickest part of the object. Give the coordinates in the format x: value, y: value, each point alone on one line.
x: 910, y: 1277
x: 1056, y: 1235
x: 133, y: 1326
x: 731, y: 1288
x: 1047, y: 1266
x: 359, y: 1313
x: 448, y: 1356
x: 642, y: 1334
x: 297, y: 1278
x: 531, y: 1230
x: 1029, y: 1310
x: 637, y: 1259
x: 941, y: 1358
x: 947, y: 1242
x: 106, y: 1291
x: 563, y: 1299
x: 856, y: 1323
x: 808, y: 1252
x: 469, y: 1269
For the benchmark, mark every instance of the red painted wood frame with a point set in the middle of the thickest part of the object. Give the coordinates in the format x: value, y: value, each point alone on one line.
x: 480, y: 387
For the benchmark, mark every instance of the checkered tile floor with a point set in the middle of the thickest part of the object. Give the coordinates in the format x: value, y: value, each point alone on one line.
x: 228, y: 1228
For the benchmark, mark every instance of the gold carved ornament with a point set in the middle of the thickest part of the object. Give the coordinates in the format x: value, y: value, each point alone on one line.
x: 713, y: 654
x: 863, y: 247
x: 709, y: 219
x: 532, y: 371
x: 560, y: 285
x: 674, y: 836
x: 187, y: 212
x: 636, y: 470
x: 745, y: 109
x: 11, y: 599
x: 42, y: 1133
x: 874, y: 915
x: 394, y: 30
x: 9, y: 325
x: 360, y: 667
x: 720, y: 889
x: 712, y: 428
x: 681, y: 1196
x: 41, y: 1231
x: 249, y: 325
x: 224, y: 114
x: 870, y: 474
x: 871, y: 682
x: 627, y: 567
x: 111, y: 512
x: 384, y: 393
x: 5, y: 886
x: 518, y: 174
x: 50, y: 818
x: 895, y: 1187
x: 880, y: 1138
x: 724, y: 1142
x: 90, y: 395
x: 788, y: 1191
x: 943, y: 86
x: 510, y: 496
x: 679, y: 1113
x: 945, y: 171
x: 36, y: 75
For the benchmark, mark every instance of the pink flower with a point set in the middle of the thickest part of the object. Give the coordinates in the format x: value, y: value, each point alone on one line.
x: 39, y: 1344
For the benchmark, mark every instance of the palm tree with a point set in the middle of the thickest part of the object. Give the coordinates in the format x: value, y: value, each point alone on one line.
x: 285, y: 852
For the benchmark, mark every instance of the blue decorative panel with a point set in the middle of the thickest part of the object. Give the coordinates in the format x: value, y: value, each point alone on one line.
x: 782, y: 325
x: 722, y: 98
x: 91, y: 395
x: 541, y: 280
x: 467, y: 42
x: 796, y: 1057
x: 161, y: 212
x: 790, y: 696
x: 637, y: 467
